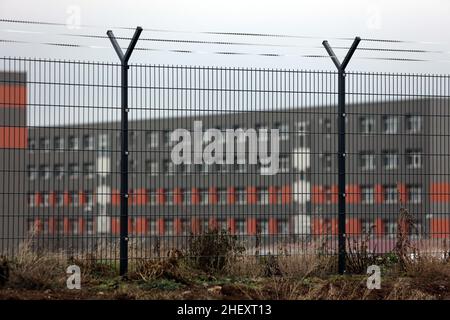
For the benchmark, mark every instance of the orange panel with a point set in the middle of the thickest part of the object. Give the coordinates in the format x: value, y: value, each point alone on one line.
x: 440, y: 228
x: 440, y: 192
x: 401, y: 188
x: 353, y: 226
x: 213, y: 198
x: 273, y: 226
x: 51, y: 225
x: 379, y: 229
x: 13, y: 137
x: 231, y: 225
x: 13, y: 96
x: 141, y: 225
x: 38, y: 199
x: 141, y: 197
x: 251, y: 226
x: 212, y: 223
x: 195, y: 196
x: 231, y: 195
x: 66, y: 198
x: 115, y: 226
x: 273, y: 196
x: 160, y: 226
x: 318, y: 195
x: 178, y: 226
x: 353, y: 194
x: 334, y: 194
x: 178, y: 196
x: 195, y: 225
x: 66, y: 223
x: 115, y: 197
x: 251, y: 195
x: 379, y: 193
x: 334, y: 226
x: 160, y: 196
x: 286, y: 194
x: 81, y: 225
x: 318, y: 226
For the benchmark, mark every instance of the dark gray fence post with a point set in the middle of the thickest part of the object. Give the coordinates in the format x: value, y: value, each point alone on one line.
x: 341, y: 147
x: 124, y: 146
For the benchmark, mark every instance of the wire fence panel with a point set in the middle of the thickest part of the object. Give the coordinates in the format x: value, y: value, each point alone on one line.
x: 249, y: 151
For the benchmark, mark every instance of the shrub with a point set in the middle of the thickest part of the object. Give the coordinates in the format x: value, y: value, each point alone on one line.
x: 213, y: 250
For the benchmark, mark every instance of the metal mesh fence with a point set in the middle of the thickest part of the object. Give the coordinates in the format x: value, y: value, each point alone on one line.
x: 249, y: 151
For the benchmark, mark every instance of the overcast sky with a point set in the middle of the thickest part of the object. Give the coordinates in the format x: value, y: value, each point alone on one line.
x: 425, y: 23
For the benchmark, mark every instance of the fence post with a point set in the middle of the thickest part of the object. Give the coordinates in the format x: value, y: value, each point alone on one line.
x: 124, y: 145
x: 341, y: 147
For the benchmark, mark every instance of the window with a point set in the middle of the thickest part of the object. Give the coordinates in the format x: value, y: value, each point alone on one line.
x: 58, y: 143
x: 367, y: 195
x: 73, y: 143
x: 326, y: 161
x: 390, y: 160
x: 414, y: 193
x: 367, y: 125
x: 204, y: 196
x: 168, y: 167
x: 263, y: 226
x: 59, y: 199
x: 413, y: 159
x: 367, y: 161
x: 44, y: 171
x: 32, y: 173
x: 131, y: 138
x: 90, y: 226
x: 75, y: 198
x: 88, y: 169
x: 168, y: 227
x: 151, y: 167
x: 263, y: 195
x: 283, y: 226
x: 284, y: 163
x: 284, y: 131
x: 390, y: 194
x: 103, y: 141
x: 31, y: 200
x: 240, y: 196
x: 263, y: 137
x: 390, y: 124
x: 222, y: 196
x: 169, y: 197
x: 73, y: 170
x: 240, y: 226
x: 413, y: 124
x: 88, y: 142
x: 151, y: 139
x: 152, y: 197
x: 46, y: 200
x: 166, y: 138
x: 44, y: 144
x: 58, y: 171
x: 326, y: 125
x: 187, y: 197
x: 31, y: 144
x: 132, y: 165
x: 302, y: 127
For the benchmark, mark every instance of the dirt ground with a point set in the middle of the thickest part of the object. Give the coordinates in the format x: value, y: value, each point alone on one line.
x: 334, y: 288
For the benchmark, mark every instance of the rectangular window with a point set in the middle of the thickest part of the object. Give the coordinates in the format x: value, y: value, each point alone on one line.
x: 367, y: 161
x: 103, y: 141
x: 73, y: 170
x: 390, y: 160
x: 58, y: 143
x: 367, y: 125
x: 88, y: 170
x: 59, y: 199
x: 46, y: 199
x: 390, y: 194
x: 240, y: 227
x: 152, y: 139
x: 326, y: 161
x: 152, y: 197
x: 240, y: 196
x: 262, y: 195
x: 168, y: 227
x: 284, y: 163
x: 32, y: 173
x: 204, y: 196
x: 151, y: 167
x: 414, y: 159
x: 263, y: 226
x: 31, y: 200
x: 367, y: 195
x: 390, y: 124
x: 168, y: 167
x: 75, y: 198
x: 283, y: 131
x: 58, y: 171
x: 283, y: 226
x: 413, y: 124
x: 73, y: 143
x: 31, y: 144
x: 44, y: 171
x: 88, y: 142
x: 414, y: 193
x: 44, y: 144
x: 326, y: 124
x: 302, y: 127
x: 222, y: 196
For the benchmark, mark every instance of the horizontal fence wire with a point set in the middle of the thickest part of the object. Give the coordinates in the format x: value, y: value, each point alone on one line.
x: 273, y: 189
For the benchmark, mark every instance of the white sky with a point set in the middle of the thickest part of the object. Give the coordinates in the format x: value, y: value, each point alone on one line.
x: 426, y: 23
